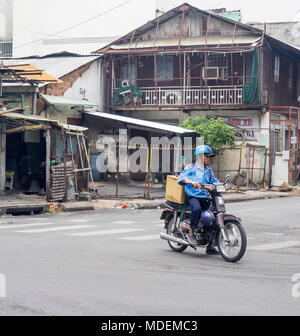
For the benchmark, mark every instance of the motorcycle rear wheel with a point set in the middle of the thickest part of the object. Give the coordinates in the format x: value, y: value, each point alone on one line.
x: 170, y: 231
x: 236, y: 232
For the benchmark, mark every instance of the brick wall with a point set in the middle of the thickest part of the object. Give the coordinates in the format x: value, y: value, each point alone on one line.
x: 60, y: 88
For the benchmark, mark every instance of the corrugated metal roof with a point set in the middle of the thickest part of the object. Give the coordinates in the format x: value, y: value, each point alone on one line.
x: 33, y: 118
x: 150, y: 125
x: 190, y: 41
x: 31, y: 72
x: 14, y: 115
x: 57, y: 66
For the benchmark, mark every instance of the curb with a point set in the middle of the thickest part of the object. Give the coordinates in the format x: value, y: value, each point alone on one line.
x: 141, y: 205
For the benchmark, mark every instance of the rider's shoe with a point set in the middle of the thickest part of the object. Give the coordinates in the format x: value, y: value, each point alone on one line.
x: 192, y: 239
x: 212, y: 251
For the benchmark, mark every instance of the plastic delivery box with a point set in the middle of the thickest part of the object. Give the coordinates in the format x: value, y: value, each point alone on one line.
x: 174, y: 192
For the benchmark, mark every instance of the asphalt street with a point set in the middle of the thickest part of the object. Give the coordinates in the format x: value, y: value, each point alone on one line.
x: 112, y: 262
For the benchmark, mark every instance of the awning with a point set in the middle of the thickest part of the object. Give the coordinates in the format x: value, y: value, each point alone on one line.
x: 20, y: 116
x: 29, y: 72
x: 63, y: 104
x: 191, y: 41
x: 143, y: 124
x: 38, y: 119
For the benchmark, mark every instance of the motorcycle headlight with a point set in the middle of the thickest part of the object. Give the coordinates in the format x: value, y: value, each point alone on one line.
x: 220, y: 188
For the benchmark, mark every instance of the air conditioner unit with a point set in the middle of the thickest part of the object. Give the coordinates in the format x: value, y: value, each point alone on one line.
x: 210, y: 72
x: 173, y: 98
x: 223, y: 73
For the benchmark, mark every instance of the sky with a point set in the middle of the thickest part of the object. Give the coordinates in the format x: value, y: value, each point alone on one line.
x: 58, y: 15
x: 35, y: 20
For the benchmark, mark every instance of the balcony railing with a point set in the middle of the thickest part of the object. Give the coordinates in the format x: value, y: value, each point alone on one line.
x: 212, y: 95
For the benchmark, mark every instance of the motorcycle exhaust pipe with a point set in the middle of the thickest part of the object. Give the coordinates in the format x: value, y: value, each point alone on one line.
x: 173, y: 239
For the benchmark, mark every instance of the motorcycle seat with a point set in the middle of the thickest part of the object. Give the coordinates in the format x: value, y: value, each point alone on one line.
x: 177, y: 206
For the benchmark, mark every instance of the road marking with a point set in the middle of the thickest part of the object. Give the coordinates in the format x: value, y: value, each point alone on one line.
x: 274, y: 246
x: 273, y: 233
x: 148, y: 237
x: 104, y: 232
x: 79, y: 220
x: 15, y: 226
x: 123, y: 222
x: 58, y: 228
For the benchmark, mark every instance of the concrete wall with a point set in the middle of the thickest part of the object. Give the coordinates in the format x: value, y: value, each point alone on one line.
x: 89, y: 77
x: 286, y: 31
x: 5, y: 21
x: 91, y: 81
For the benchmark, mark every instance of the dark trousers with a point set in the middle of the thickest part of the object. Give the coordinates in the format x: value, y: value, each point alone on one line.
x: 198, y: 205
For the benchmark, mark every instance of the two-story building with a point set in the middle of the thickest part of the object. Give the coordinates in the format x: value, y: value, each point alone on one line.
x: 190, y: 62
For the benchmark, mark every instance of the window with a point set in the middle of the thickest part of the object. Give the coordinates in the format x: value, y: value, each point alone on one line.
x: 125, y: 73
x: 220, y: 60
x: 164, y: 67
x: 276, y: 69
x: 291, y: 75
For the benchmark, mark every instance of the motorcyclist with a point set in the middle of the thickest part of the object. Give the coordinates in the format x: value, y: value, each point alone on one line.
x: 191, y: 178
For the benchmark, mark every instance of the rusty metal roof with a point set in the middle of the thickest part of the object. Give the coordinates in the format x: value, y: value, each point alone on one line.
x: 28, y: 72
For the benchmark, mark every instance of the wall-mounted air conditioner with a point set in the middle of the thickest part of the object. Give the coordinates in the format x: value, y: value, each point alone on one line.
x: 173, y: 98
x: 210, y: 72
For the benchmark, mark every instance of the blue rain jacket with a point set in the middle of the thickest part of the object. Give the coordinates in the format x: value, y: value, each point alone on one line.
x: 195, y: 173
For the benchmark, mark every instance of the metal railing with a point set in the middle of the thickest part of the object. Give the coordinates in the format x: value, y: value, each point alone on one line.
x: 212, y: 95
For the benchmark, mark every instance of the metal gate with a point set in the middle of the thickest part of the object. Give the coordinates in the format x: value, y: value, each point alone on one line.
x: 284, y: 137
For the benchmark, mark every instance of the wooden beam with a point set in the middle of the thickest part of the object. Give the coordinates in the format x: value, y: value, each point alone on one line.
x: 2, y: 158
x: 48, y: 152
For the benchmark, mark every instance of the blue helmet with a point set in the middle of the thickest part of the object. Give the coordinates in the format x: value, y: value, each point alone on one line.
x: 207, y: 217
x: 203, y: 149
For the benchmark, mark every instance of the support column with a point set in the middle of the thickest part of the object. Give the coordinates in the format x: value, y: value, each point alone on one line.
x: 2, y: 157
x: 48, y: 152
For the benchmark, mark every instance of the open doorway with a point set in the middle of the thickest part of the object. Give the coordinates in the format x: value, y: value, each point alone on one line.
x: 26, y: 162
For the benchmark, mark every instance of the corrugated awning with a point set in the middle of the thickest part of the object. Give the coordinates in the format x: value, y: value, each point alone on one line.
x: 13, y: 115
x: 191, y: 41
x: 144, y: 124
x: 61, y: 104
x: 31, y: 73
x: 38, y: 119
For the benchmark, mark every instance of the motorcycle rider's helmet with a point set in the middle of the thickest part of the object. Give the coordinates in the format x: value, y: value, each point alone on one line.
x: 203, y: 149
x: 207, y: 217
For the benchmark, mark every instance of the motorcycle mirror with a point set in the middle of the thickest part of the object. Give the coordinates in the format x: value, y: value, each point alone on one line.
x: 227, y: 178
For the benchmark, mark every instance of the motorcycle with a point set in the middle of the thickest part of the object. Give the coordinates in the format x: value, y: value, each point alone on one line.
x: 226, y: 231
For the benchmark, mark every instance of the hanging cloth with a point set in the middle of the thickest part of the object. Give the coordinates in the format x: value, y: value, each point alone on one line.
x: 250, y: 91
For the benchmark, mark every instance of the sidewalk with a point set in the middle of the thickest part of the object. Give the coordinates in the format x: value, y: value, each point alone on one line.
x: 19, y: 203
x: 31, y: 204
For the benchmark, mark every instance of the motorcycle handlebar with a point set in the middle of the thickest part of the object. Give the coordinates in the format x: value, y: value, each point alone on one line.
x: 209, y: 187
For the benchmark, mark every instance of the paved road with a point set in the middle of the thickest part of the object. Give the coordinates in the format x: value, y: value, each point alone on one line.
x: 111, y: 262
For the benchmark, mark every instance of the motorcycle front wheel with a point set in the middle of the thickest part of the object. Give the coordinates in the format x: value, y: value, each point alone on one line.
x: 233, y: 250
x: 172, y: 231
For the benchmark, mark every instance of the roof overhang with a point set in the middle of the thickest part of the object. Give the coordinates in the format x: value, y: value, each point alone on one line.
x: 143, y: 124
x: 41, y: 120
x: 218, y: 41
x: 63, y: 104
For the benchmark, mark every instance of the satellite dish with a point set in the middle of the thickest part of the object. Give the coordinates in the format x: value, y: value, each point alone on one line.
x: 298, y: 99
